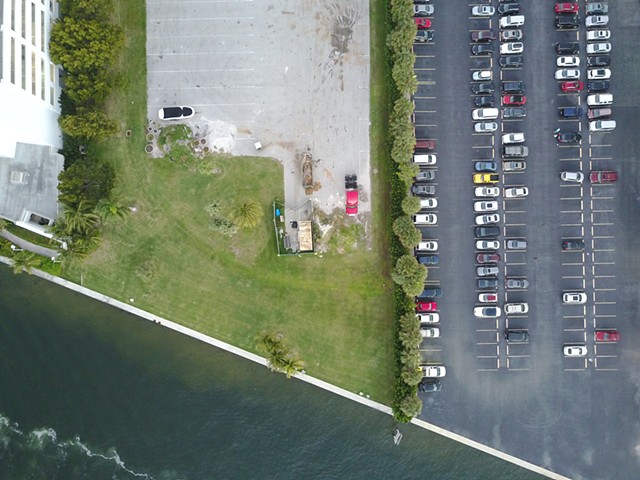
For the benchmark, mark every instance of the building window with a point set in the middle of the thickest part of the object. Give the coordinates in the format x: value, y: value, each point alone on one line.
x: 52, y: 98
x: 24, y: 18
x: 24, y: 66
x: 13, y: 15
x: 42, y: 32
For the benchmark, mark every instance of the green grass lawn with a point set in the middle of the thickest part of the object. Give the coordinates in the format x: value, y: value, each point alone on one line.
x: 335, y: 309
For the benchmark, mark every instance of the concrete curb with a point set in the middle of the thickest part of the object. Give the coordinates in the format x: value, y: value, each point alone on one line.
x: 302, y: 376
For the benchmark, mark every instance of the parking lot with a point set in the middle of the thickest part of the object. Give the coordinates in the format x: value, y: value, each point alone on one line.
x: 571, y: 415
x: 292, y: 76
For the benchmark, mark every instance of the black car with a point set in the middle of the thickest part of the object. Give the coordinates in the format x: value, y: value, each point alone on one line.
x: 428, y: 385
x: 508, y: 8
x: 482, y: 50
x: 484, y: 101
x: 482, y: 36
x: 598, y: 86
x: 512, y: 61
x: 479, y: 88
x: 487, y: 231
x: 514, y: 112
x: 599, y: 61
x: 569, y: 48
x: 175, y: 113
x: 512, y: 87
x: 567, y: 22
x: 573, y: 244
x: 431, y: 292
x: 567, y: 137
x: 423, y: 190
x: 518, y: 336
x: 429, y: 259
x: 488, y: 283
x: 571, y: 112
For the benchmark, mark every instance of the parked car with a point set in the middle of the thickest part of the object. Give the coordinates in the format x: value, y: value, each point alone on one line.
x: 514, y: 112
x: 423, y: 10
x: 428, y: 203
x: 431, y: 292
x: 594, y: 35
x: 607, y: 336
x: 516, y: 308
x: 575, y: 350
x: 574, y: 298
x: 599, y: 61
x: 516, y: 192
x: 425, y: 145
x: 481, y: 88
x: 566, y: 7
x: 426, y: 306
x: 603, y: 176
x: 512, y: 151
x: 485, y: 166
x: 602, y: 125
x: 487, y: 258
x: 512, y: 87
x: 423, y: 190
x: 487, y: 283
x: 485, y: 114
x: 596, y: 113
x: 482, y: 11
x: 516, y: 336
x: 572, y: 86
x: 599, y: 99
x: 599, y: 86
x: 573, y: 244
x: 510, y: 138
x: 434, y: 371
x: 482, y: 75
x: 567, y: 22
x: 571, y: 112
x: 487, y: 271
x: 487, y: 219
x: 428, y: 318
x: 432, y: 259
x: 485, y: 206
x: 424, y: 36
x: 508, y: 8
x: 484, y: 101
x: 425, y: 219
x: 487, y: 312
x: 488, y: 231
x: 487, y: 244
x: 514, y: 100
x: 482, y: 36
x: 486, y: 178
x: 429, y: 386
x: 512, y: 61
x: 596, y: 8
x: 422, y: 23
x: 567, y: 137
x: 516, y: 244
x: 595, y: 48
x: 511, y: 48
x: 567, y: 74
x: 486, y: 191
x: 570, y: 48
x: 568, y: 61
x: 514, y: 166
x: 176, y: 113
x: 425, y: 176
x: 487, y: 297
x: 572, y: 177
x: 512, y: 21
x: 482, y: 49
x: 427, y: 246
x: 516, y: 283
x: 425, y: 159
x: 510, y: 35
x: 485, y: 127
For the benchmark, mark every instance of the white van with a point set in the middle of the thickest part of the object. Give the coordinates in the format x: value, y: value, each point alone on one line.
x: 422, y: 159
x: 600, y: 99
x: 512, y: 21
x: 602, y: 125
x: 428, y: 203
x: 485, y: 113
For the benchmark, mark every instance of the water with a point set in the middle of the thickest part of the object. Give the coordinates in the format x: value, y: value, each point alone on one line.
x: 89, y: 392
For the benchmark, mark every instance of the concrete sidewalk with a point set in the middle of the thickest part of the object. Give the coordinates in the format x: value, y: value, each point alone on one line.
x: 31, y: 247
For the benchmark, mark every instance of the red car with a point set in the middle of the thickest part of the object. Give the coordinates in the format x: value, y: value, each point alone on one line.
x: 603, y: 177
x: 422, y: 23
x: 566, y: 7
x: 425, y: 145
x: 488, y: 258
x: 607, y: 336
x: 426, y: 307
x: 514, y: 100
x: 352, y: 202
x: 572, y: 86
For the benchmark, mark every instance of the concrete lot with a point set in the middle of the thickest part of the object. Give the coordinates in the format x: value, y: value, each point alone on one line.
x: 292, y: 75
x: 577, y: 417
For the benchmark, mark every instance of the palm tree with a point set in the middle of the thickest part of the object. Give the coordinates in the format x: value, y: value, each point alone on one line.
x: 87, y: 241
x: 80, y: 218
x: 271, y: 341
x: 109, y: 209
x: 246, y: 214
x: 24, y: 262
x: 292, y: 364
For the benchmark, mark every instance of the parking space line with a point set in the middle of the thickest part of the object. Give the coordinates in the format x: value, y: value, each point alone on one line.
x: 572, y: 276
x: 486, y: 356
x: 570, y: 211
x: 519, y: 369
x: 575, y: 369
x: 487, y: 370
x: 571, y: 224
x: 606, y: 369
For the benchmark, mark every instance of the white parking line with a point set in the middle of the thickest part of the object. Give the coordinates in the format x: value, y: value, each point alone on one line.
x: 605, y: 303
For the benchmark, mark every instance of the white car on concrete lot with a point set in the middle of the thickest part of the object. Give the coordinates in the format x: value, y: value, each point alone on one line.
x: 428, y: 318
x: 574, y: 298
x: 482, y: 75
x: 483, y: 11
x: 511, y: 48
x: 594, y: 48
x: 484, y: 127
x: 516, y: 308
x: 433, y: 370
x: 425, y: 219
x: 487, y: 244
x: 514, y: 166
x: 598, y: 35
x: 428, y: 203
x: 567, y: 74
x: 575, y: 351
x: 429, y: 332
x: 516, y: 192
x: 516, y: 244
x: 510, y: 138
x: 572, y: 177
x: 487, y: 192
x: 487, y: 219
x: 486, y: 312
x: 485, y: 206
x: 427, y: 246
x: 596, y: 21
x: 598, y: 73
x: 568, y: 61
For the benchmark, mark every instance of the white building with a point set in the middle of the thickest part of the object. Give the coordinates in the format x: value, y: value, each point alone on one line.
x: 29, y: 131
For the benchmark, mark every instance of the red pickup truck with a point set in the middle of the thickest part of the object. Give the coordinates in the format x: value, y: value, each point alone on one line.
x: 607, y: 176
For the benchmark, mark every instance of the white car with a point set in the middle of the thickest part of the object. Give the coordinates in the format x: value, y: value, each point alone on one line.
x: 425, y: 159
x: 486, y: 312
x: 574, y: 298
x: 427, y: 246
x: 575, y: 350
x: 510, y: 138
x: 598, y: 35
x: 567, y: 74
x: 434, y: 370
x: 429, y: 332
x: 596, y: 21
x: 600, y: 99
x: 594, y: 48
x: 487, y: 192
x: 598, y: 73
x: 485, y: 113
x: 487, y: 244
x: 487, y: 297
x: 425, y: 219
x: 516, y: 192
x: 482, y: 75
x: 516, y: 308
x: 572, y: 177
x: 487, y: 219
x: 485, y: 206
x: 428, y: 318
x: 568, y: 61
x: 423, y: 10
x: 511, y: 48
x: 484, y: 127
x: 428, y: 203
x: 514, y: 166
x: 483, y: 11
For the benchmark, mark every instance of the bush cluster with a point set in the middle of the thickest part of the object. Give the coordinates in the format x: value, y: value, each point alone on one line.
x: 407, y: 273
